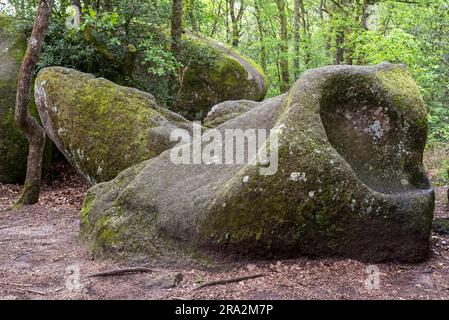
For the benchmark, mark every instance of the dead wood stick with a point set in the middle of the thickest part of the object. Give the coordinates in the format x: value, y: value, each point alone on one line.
x: 120, y: 272
x: 179, y: 298
x: 226, y: 281
x: 16, y: 284
x: 30, y: 291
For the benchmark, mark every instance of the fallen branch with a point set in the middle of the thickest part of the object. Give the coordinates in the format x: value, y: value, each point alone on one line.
x: 16, y: 284
x: 120, y: 272
x: 226, y: 281
x: 179, y: 298
x: 30, y: 291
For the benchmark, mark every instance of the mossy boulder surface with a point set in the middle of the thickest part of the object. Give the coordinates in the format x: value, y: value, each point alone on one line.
x: 100, y: 127
x: 350, y: 182
x: 13, y: 143
x: 230, y: 76
x: 228, y: 110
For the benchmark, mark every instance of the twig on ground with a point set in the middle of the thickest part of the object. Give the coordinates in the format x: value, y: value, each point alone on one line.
x: 30, y: 291
x: 120, y: 272
x: 226, y: 281
x: 16, y: 284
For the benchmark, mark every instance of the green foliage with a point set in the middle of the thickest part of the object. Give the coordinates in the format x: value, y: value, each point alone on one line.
x: 194, y: 51
x: 105, y: 24
x: 158, y: 60
x: 439, y: 123
x: 436, y: 161
x: 69, y: 49
x: 415, y: 33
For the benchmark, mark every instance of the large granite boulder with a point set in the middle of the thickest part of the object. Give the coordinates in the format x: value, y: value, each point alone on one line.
x: 13, y: 143
x: 228, y: 76
x: 349, y: 181
x: 100, y: 127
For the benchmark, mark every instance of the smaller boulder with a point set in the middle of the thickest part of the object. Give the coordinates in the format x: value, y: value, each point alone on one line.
x: 228, y: 110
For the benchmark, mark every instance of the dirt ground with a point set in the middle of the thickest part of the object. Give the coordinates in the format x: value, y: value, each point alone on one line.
x: 40, y: 258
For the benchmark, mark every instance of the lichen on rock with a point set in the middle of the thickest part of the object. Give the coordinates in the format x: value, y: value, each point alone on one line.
x: 350, y: 182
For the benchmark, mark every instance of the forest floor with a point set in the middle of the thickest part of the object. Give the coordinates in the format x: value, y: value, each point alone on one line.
x: 39, y: 249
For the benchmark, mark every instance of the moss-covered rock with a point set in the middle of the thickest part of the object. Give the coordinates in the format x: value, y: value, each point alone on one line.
x: 13, y: 143
x: 350, y: 181
x: 228, y: 110
x: 229, y: 76
x: 100, y: 127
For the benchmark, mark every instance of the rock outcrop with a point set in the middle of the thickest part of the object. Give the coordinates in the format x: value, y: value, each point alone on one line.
x: 349, y: 181
x: 100, y: 127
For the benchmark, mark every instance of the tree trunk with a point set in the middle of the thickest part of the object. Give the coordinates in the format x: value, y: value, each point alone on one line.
x: 236, y: 19
x: 260, y: 29
x: 339, y: 41
x: 77, y: 3
x: 176, y: 26
x: 31, y: 127
x: 218, y: 13
x: 306, y: 31
x: 191, y: 14
x: 283, y: 62
x: 235, y: 34
x: 228, y: 30
x: 296, y: 40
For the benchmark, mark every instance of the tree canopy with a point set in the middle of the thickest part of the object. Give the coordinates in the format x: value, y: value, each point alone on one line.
x: 286, y: 37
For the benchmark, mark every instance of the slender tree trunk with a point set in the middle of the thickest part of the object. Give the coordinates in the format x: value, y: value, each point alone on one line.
x: 176, y: 26
x: 326, y: 16
x: 339, y: 41
x: 283, y: 62
x: 260, y: 29
x: 77, y: 3
x: 343, y: 7
x: 218, y: 13
x: 235, y: 34
x: 31, y: 127
x: 364, y: 22
x: 191, y: 15
x: 306, y: 31
x: 236, y: 19
x: 296, y: 40
x: 228, y: 29
x: 278, y: 69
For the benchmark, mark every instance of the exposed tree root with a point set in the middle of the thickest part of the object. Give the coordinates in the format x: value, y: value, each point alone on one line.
x: 226, y: 281
x: 120, y: 272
